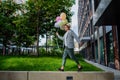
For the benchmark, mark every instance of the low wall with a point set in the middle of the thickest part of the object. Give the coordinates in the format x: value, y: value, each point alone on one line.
x: 13, y: 75
x: 49, y: 75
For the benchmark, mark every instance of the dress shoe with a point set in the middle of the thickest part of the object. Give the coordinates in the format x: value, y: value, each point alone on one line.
x: 61, y: 69
x: 79, y: 69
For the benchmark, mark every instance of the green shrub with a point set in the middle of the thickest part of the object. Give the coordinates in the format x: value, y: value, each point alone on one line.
x: 52, y: 52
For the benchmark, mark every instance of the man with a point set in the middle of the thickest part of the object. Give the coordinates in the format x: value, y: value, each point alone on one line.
x: 68, y: 41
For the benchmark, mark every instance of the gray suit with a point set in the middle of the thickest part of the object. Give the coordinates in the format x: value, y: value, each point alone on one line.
x: 69, y: 49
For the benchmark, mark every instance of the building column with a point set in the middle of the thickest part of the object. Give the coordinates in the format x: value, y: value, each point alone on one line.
x: 98, y: 42
x: 105, y: 45
x: 116, y: 47
x: 94, y: 44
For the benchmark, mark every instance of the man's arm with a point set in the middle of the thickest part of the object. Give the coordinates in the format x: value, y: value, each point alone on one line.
x: 76, y: 37
x: 60, y: 37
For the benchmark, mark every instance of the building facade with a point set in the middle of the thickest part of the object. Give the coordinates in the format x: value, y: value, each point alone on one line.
x: 99, y: 28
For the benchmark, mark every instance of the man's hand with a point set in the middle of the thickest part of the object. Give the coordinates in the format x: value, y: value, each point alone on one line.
x: 57, y: 33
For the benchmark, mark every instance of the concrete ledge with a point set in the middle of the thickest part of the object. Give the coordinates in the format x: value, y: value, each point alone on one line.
x: 75, y: 75
x: 50, y: 75
x: 13, y: 75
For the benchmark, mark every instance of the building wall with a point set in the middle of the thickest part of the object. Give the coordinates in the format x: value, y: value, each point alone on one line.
x: 103, y: 47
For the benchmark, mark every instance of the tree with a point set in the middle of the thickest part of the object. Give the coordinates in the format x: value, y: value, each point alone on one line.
x: 43, y: 13
x: 24, y: 35
x: 7, y: 10
x: 21, y: 24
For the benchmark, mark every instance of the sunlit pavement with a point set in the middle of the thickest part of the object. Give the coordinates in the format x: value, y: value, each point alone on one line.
x: 116, y: 72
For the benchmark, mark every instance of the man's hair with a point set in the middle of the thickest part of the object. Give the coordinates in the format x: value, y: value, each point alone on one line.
x: 68, y: 25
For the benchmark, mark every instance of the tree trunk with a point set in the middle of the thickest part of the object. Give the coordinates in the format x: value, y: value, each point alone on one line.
x: 46, y: 42
x: 4, y: 50
x: 37, y: 40
x: 38, y: 24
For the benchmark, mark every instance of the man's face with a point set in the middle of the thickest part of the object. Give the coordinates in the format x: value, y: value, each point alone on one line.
x: 66, y: 28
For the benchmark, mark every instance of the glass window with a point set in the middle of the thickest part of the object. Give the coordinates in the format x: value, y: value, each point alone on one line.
x: 110, y: 52
x: 102, y: 50
x: 96, y: 51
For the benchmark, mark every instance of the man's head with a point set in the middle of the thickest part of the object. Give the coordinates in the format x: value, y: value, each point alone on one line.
x: 67, y: 27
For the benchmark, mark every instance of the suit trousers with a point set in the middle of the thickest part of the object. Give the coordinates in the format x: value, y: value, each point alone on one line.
x: 69, y: 52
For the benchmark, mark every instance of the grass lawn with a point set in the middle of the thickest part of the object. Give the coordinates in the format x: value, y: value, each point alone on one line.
x: 27, y: 63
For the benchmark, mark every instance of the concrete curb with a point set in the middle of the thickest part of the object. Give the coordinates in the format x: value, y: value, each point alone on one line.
x: 55, y: 75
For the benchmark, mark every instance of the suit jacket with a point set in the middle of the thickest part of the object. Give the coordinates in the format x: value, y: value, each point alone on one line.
x: 69, y: 39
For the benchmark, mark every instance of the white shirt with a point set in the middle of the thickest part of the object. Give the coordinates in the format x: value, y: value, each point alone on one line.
x: 65, y: 38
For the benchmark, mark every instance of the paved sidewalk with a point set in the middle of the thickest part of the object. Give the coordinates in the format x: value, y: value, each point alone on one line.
x: 116, y: 72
